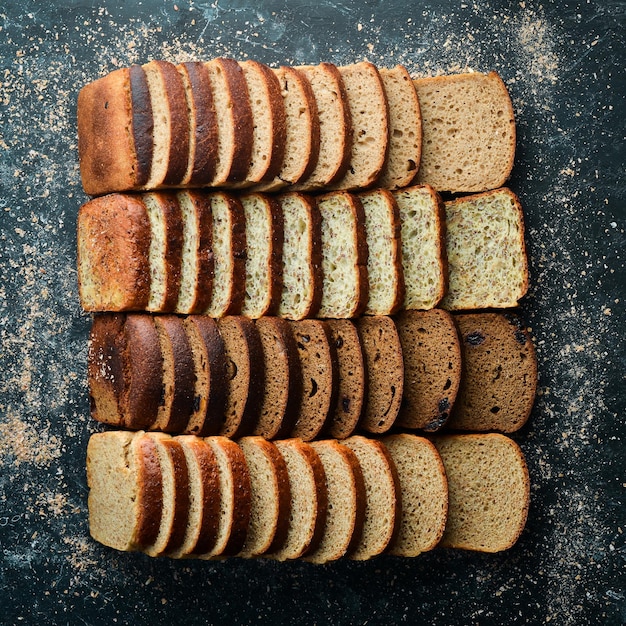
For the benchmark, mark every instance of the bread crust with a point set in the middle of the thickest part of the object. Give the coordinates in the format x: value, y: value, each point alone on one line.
x: 150, y: 493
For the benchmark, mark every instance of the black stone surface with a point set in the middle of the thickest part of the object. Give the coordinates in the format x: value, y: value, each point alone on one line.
x: 564, y: 66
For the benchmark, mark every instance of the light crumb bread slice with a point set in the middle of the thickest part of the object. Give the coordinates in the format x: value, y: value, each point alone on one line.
x: 302, y: 257
x: 469, y: 132
x: 196, y: 272
x: 318, y: 364
x: 245, y: 377
x: 489, y: 491
x: 369, y: 113
x: 384, y: 263
x: 422, y: 232
x: 115, y: 110
x: 211, y: 375
x: 344, y: 256
x: 486, y: 251
x: 234, y: 489
x: 124, y: 370
x: 384, y: 369
x: 432, y: 368
x: 352, y: 379
x: 113, y: 243
x: 424, y: 494
x: 234, y: 120
x: 125, y: 492
x: 229, y: 255
x: 405, y: 129
x: 309, y: 499
x: 382, y: 497
x: 335, y: 126
x: 270, y: 502
x: 203, y: 130
x: 345, y: 490
x: 499, y: 373
x: 264, y: 254
x: 170, y: 131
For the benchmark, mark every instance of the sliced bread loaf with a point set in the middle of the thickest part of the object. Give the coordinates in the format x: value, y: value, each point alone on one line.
x: 489, y: 491
x: 469, y: 132
x: 486, y: 251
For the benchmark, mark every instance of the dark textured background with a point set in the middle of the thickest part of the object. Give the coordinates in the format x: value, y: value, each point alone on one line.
x: 563, y: 64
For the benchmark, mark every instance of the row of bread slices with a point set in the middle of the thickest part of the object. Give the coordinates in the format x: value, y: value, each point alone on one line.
x: 296, y: 256
x: 308, y: 379
x: 213, y: 497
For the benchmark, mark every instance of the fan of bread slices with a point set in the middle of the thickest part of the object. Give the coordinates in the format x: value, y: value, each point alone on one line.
x: 304, y: 281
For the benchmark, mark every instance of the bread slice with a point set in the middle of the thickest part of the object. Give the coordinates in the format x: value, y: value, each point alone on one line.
x: 203, y: 129
x: 270, y: 496
x: 245, y: 378
x: 309, y: 499
x: 125, y: 492
x: 384, y: 265
x: 405, y: 129
x: 335, y: 126
x: 489, y: 491
x: 345, y: 489
x: 369, y: 113
x: 382, y: 497
x: 318, y: 364
x: 124, y: 370
x: 424, y: 494
x: 423, y: 246
x: 469, y: 132
x: 432, y: 368
x: 344, y: 256
x: 352, y: 379
x: 113, y: 243
x: 486, y: 251
x: 264, y: 254
x: 229, y: 255
x: 384, y: 367
x: 499, y: 373
x: 302, y: 257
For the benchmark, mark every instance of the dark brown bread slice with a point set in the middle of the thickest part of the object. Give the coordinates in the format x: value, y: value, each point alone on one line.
x: 270, y: 496
x: 203, y: 130
x: 318, y: 363
x: 125, y: 370
x: 125, y: 490
x: 489, y: 491
x: 352, y: 379
x: 384, y: 367
x: 113, y: 236
x: 424, y: 494
x: 281, y: 369
x: 432, y: 368
x: 309, y: 499
x: 211, y: 374
x: 499, y: 373
x: 245, y: 375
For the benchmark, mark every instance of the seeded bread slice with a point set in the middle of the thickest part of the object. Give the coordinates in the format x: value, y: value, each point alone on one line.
x: 489, y: 491
x: 424, y: 494
x: 432, y: 368
x: 405, y: 129
x: 486, y: 251
x: 469, y: 132
x: 384, y: 265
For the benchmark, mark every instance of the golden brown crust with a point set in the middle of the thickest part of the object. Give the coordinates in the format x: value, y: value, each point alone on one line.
x: 321, y: 496
x: 181, y: 495
x: 150, y: 493
x: 238, y: 251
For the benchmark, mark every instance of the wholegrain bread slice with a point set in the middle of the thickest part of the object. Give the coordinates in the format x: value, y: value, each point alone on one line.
x: 469, y: 132
x: 489, y: 491
x: 424, y: 494
x: 486, y: 251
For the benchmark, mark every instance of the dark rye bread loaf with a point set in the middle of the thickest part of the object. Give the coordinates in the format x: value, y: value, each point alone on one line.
x: 432, y: 368
x: 499, y: 373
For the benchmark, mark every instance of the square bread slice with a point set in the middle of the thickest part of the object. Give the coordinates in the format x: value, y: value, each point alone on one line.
x: 469, y: 132
x: 486, y: 251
